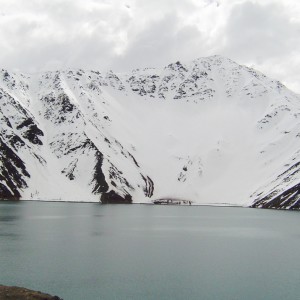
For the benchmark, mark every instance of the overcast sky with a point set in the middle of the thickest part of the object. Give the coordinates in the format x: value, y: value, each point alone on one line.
x: 38, y: 35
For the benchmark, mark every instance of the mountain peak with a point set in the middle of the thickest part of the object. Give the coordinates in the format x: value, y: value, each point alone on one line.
x: 206, y: 131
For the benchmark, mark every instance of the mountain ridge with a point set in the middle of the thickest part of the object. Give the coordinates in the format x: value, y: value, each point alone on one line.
x: 210, y: 131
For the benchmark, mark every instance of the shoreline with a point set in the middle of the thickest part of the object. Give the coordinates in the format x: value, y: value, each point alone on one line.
x: 134, y: 203
x: 145, y: 203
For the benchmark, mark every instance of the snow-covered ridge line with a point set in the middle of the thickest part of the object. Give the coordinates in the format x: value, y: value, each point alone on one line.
x: 207, y: 131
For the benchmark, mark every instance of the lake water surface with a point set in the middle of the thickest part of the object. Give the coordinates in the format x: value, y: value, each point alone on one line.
x: 91, y: 251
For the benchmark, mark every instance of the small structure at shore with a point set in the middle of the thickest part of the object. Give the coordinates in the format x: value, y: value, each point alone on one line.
x: 172, y: 202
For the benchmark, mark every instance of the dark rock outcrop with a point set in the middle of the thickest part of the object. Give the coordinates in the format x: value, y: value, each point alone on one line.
x: 12, y: 173
x: 289, y: 199
x: 149, y: 186
x: 113, y: 198
x: 100, y: 184
x: 20, y: 293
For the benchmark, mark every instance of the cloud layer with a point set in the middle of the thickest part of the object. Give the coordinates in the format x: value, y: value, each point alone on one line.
x: 40, y: 35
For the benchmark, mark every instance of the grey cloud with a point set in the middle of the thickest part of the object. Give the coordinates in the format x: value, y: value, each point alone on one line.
x: 60, y: 35
x: 162, y: 42
x: 160, y: 8
x: 260, y: 32
x: 124, y: 34
x: 265, y: 37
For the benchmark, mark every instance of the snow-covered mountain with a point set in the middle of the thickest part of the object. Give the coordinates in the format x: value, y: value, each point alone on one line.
x: 209, y: 131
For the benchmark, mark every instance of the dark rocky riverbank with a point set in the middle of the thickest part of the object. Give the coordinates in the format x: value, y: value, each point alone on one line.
x: 20, y: 293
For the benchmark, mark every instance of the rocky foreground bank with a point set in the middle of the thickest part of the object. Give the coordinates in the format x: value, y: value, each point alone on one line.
x: 20, y: 293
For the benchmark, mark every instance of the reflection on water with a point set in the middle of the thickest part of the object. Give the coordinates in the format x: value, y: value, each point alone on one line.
x: 89, y: 251
x: 9, y: 235
x: 8, y: 218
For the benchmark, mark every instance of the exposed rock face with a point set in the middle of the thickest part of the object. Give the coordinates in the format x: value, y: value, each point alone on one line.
x: 209, y: 131
x: 13, y: 173
x: 289, y: 199
x: 112, y: 198
x: 74, y: 157
x: 19, y: 293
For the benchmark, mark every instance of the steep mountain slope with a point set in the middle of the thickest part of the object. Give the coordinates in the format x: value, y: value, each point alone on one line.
x: 210, y: 131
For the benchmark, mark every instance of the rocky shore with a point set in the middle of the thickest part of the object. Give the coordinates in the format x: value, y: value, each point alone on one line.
x: 20, y: 293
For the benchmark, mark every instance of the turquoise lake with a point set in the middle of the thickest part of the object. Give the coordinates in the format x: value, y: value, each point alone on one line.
x: 90, y: 251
